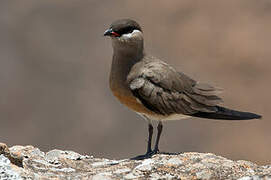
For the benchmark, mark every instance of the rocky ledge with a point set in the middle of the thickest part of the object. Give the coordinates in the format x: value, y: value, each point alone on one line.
x: 28, y: 162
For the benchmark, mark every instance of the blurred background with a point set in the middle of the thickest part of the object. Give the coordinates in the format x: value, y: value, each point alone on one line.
x: 55, y: 64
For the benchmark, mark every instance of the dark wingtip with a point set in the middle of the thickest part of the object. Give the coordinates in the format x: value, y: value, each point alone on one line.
x: 249, y: 115
x: 257, y: 116
x: 228, y: 114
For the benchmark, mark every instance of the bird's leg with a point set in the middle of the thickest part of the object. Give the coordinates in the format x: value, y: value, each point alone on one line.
x: 159, y: 129
x: 149, y: 150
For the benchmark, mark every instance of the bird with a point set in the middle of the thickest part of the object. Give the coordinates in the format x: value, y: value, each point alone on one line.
x: 154, y: 89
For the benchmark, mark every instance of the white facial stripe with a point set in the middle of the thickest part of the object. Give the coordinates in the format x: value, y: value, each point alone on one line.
x: 130, y: 35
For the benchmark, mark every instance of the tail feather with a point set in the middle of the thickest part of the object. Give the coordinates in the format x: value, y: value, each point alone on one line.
x: 227, y: 114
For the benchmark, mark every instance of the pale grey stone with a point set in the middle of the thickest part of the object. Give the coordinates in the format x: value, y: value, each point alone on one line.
x: 120, y: 171
x: 205, y: 174
x: 58, y: 164
x: 104, y: 163
x: 101, y: 177
x: 130, y: 176
x: 146, y: 165
x: 175, y: 161
x: 6, y: 172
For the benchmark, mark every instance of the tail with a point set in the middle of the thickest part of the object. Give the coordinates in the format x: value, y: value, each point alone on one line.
x: 227, y: 114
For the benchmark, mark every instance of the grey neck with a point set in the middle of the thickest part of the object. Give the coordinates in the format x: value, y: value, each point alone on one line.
x: 128, y: 48
x: 124, y: 57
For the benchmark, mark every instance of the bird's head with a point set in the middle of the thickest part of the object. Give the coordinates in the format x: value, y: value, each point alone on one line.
x: 125, y: 33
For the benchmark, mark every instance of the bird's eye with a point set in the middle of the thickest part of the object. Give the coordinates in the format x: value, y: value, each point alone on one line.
x: 126, y: 30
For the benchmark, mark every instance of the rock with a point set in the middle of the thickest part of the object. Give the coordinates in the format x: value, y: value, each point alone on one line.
x: 6, y: 169
x: 28, y: 162
x: 100, y: 177
x: 146, y: 165
x: 255, y: 178
x: 175, y: 162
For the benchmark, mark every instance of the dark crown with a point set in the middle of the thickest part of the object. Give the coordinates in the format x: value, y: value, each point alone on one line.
x: 124, y: 26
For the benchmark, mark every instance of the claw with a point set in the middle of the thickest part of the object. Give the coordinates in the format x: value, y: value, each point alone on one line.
x: 156, y: 151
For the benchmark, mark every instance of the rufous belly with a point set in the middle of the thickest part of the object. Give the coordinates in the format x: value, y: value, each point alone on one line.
x: 132, y: 102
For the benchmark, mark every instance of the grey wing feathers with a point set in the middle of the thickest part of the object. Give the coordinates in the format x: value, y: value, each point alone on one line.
x: 163, y: 90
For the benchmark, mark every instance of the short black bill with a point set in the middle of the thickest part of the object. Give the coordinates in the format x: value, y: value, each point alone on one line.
x: 108, y: 32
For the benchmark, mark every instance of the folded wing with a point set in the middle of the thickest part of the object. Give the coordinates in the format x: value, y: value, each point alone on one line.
x: 165, y: 91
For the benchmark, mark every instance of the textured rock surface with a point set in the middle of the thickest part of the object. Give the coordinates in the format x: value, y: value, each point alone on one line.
x: 28, y: 162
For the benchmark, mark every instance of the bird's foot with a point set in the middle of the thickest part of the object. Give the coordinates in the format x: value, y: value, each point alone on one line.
x: 148, y: 154
x: 155, y: 151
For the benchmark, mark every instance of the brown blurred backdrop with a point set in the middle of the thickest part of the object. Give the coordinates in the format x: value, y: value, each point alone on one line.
x: 55, y: 63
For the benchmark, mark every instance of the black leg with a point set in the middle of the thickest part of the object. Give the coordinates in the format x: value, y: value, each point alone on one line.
x: 150, y: 139
x: 159, y: 129
x: 149, y: 152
